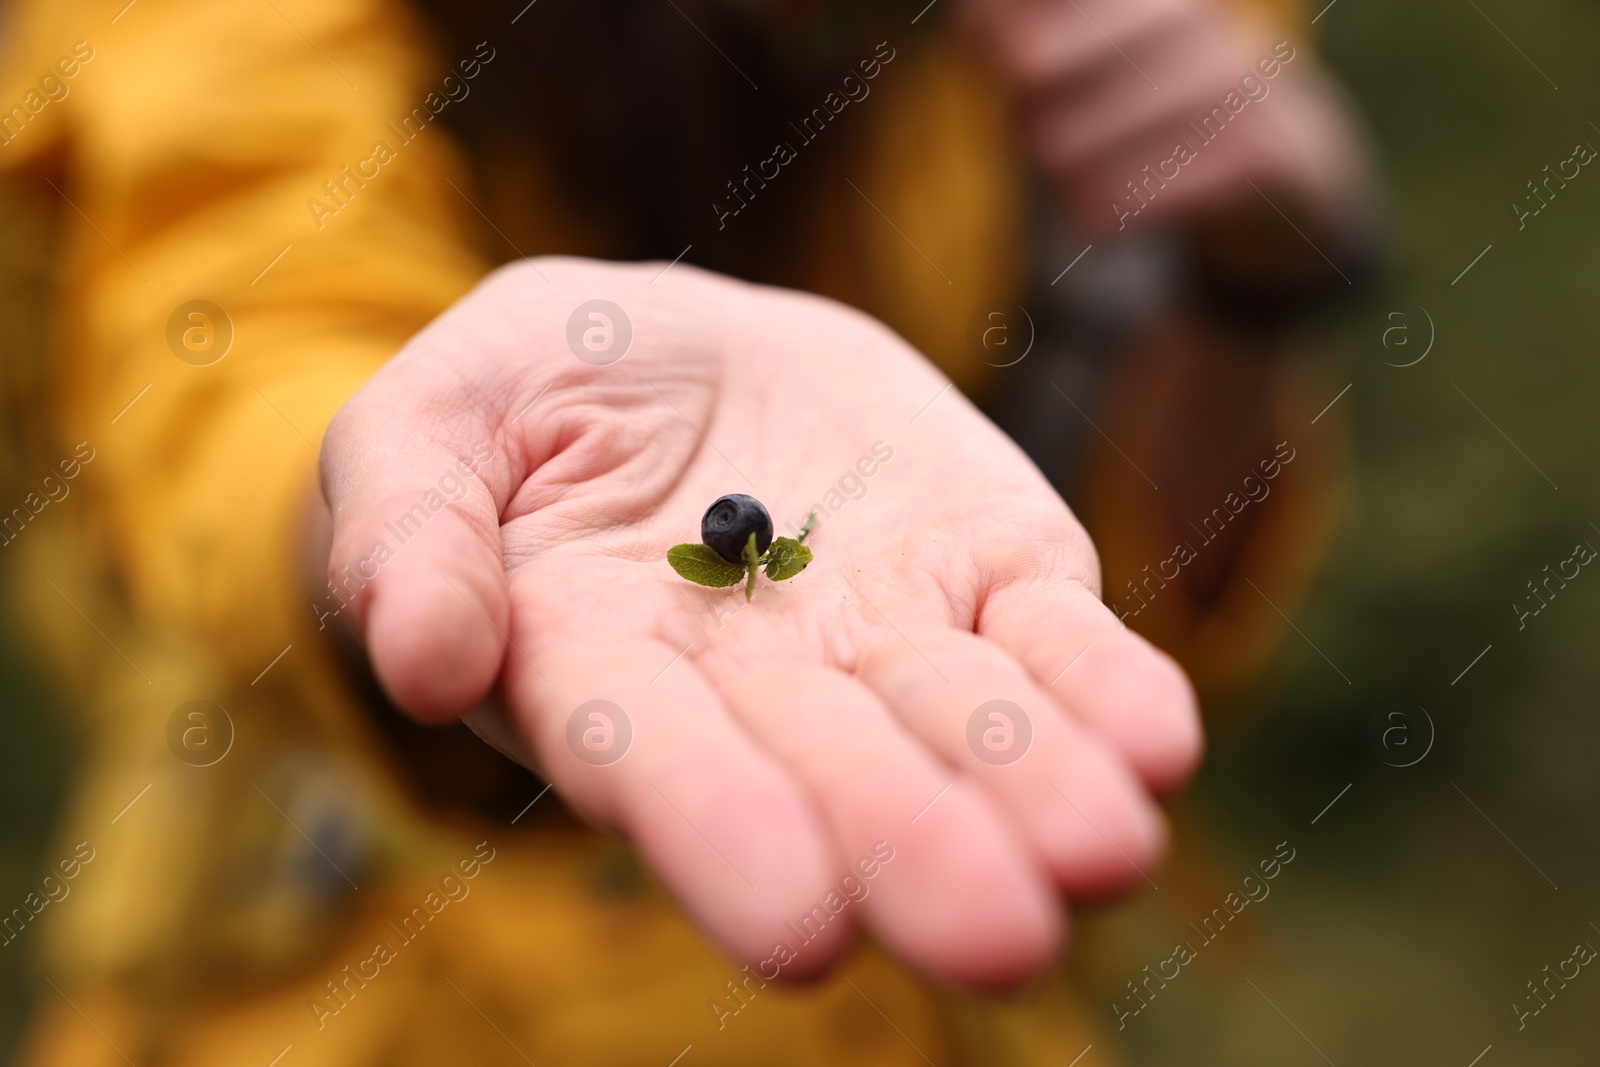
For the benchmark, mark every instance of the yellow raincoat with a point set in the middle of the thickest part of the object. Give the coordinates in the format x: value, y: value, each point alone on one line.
x: 207, y: 327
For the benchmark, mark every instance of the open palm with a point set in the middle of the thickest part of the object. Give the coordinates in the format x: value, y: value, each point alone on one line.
x: 764, y: 757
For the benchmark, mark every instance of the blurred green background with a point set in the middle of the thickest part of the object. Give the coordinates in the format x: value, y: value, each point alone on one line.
x: 1407, y: 924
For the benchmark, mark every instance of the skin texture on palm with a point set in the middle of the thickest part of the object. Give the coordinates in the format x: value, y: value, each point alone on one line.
x: 772, y: 743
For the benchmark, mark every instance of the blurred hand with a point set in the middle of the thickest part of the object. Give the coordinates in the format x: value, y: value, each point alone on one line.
x: 772, y: 743
x: 1111, y: 86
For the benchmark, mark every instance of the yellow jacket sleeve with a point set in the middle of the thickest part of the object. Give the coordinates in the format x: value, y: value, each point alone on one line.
x: 215, y: 152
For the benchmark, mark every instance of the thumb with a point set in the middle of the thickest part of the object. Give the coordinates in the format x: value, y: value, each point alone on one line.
x: 415, y: 561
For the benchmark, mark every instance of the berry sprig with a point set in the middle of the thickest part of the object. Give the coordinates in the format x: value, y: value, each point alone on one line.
x: 736, y: 540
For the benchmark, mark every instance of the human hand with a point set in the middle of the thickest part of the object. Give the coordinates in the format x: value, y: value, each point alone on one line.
x: 1110, y: 88
x: 772, y: 743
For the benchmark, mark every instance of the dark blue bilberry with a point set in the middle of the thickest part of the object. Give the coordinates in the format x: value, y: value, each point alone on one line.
x: 729, y: 522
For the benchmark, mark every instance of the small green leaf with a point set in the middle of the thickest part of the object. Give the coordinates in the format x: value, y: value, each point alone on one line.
x: 786, y: 558
x: 701, y: 565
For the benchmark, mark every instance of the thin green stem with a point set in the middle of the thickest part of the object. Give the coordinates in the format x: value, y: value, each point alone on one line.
x: 751, y: 560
